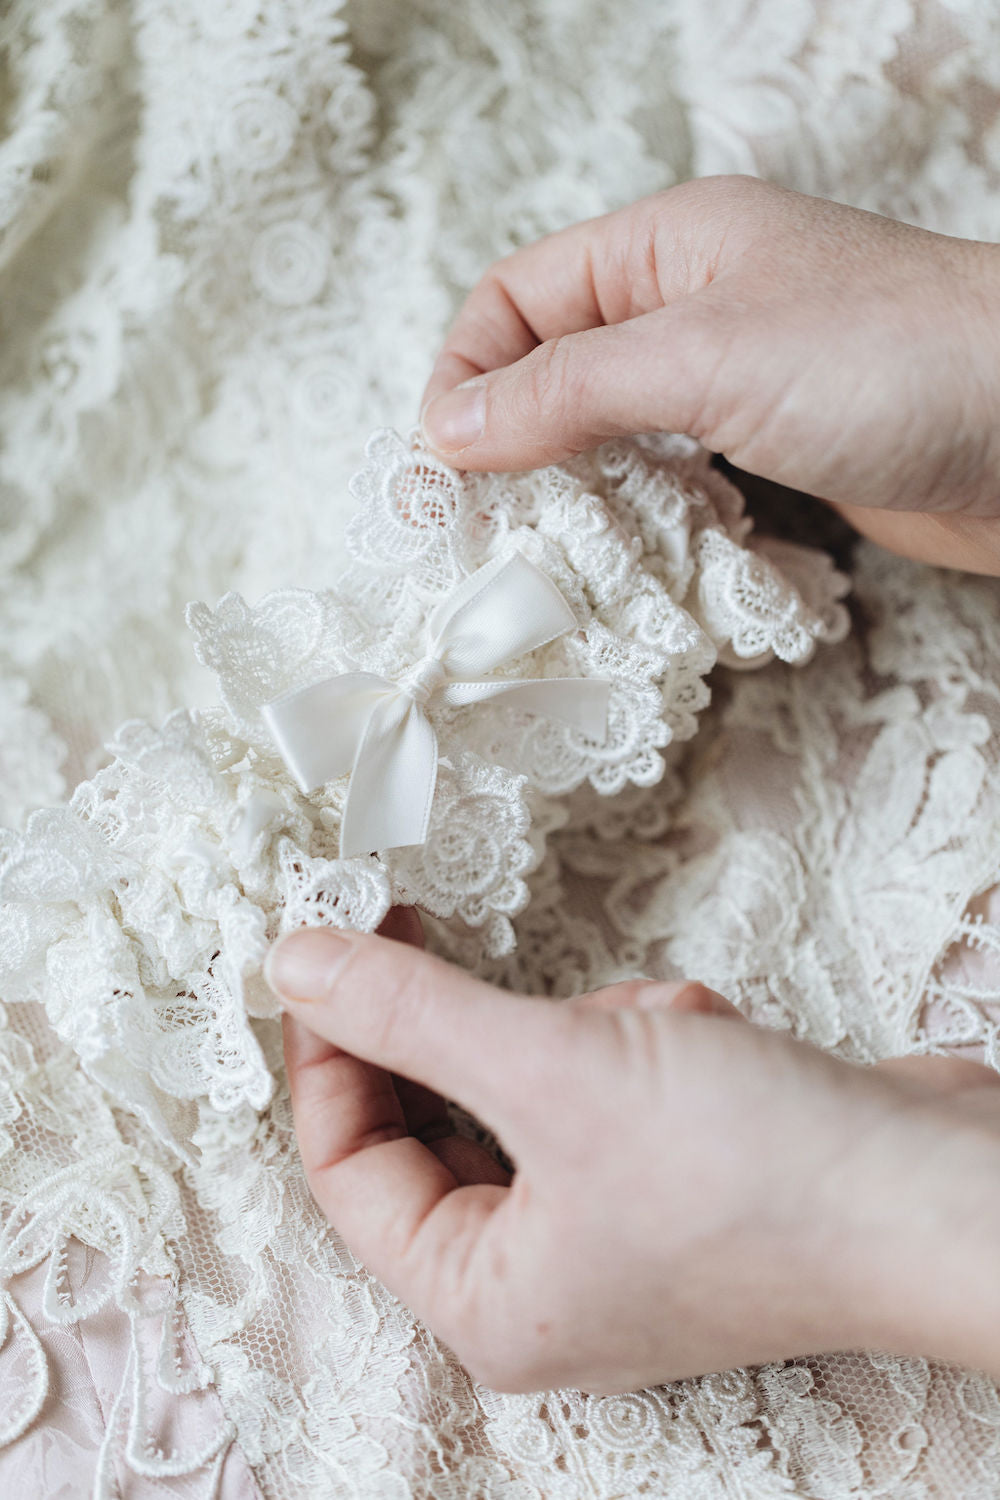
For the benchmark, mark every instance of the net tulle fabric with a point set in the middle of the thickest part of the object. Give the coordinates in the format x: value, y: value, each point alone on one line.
x: 230, y: 239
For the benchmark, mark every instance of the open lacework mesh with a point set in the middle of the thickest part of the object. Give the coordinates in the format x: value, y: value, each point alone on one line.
x: 230, y: 235
x: 140, y: 914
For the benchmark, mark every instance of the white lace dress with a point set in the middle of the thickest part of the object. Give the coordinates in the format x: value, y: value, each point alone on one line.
x: 231, y: 236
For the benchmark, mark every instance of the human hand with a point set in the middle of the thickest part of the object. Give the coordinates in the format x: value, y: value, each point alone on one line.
x: 691, y: 1192
x: 830, y: 350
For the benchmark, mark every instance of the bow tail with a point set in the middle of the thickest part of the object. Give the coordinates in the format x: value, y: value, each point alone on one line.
x: 318, y: 728
x: 392, y: 782
x: 580, y: 702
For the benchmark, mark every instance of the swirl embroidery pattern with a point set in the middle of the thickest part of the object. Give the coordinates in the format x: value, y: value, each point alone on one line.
x: 144, y: 909
x: 230, y: 238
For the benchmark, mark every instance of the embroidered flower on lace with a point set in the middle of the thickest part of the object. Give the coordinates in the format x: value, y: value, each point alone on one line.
x: 142, y: 912
x: 156, y: 398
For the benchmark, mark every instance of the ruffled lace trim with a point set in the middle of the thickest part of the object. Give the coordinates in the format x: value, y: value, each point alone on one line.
x: 140, y: 914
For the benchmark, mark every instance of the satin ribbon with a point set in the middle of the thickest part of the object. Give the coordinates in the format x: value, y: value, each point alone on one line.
x: 379, y: 730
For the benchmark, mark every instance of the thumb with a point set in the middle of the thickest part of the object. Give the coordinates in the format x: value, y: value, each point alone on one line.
x: 649, y: 374
x: 415, y: 1015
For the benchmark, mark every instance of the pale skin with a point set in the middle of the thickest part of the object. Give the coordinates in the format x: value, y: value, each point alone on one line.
x: 690, y: 1192
x: 832, y: 351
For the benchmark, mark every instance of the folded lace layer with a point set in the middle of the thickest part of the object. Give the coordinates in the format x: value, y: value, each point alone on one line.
x: 140, y: 914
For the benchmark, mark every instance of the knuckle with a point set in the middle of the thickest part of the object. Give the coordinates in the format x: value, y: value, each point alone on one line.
x: 485, y: 312
x: 735, y: 182
x: 483, y: 295
x: 319, y: 1164
x: 722, y: 197
x: 691, y: 996
x: 496, y: 281
x: 553, y: 380
x: 631, y: 992
x: 695, y: 995
x: 731, y: 186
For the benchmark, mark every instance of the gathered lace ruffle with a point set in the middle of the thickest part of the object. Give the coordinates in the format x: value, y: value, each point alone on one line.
x: 231, y: 236
x: 140, y: 914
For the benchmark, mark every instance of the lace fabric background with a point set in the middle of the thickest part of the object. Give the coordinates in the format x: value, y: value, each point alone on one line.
x: 230, y: 239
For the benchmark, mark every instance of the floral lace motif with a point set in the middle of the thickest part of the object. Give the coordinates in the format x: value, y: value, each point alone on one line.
x: 142, y: 912
x: 231, y: 235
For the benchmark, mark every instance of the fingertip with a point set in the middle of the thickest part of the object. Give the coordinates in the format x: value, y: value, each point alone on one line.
x: 409, y: 1012
x: 304, y: 964
x: 456, y: 419
x: 450, y: 370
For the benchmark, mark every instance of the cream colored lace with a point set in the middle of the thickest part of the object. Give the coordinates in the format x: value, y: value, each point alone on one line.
x: 231, y: 236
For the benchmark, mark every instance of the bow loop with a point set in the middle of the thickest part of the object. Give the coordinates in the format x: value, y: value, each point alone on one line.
x: 379, y: 729
x: 495, y: 615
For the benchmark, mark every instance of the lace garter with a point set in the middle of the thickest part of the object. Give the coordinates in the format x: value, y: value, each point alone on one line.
x: 140, y: 913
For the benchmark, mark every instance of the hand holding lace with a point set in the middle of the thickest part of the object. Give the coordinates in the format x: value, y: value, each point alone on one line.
x: 756, y: 1198
x: 833, y: 351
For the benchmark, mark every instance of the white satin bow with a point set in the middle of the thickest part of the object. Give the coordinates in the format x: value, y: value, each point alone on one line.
x: 378, y: 729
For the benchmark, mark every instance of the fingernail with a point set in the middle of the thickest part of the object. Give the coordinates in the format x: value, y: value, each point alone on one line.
x: 455, y: 420
x: 304, y: 965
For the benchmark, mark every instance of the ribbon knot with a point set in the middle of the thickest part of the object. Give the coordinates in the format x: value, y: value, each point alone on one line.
x: 379, y: 729
x: 424, y: 680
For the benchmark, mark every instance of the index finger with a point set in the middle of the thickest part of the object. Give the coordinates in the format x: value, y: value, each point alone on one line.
x: 601, y: 271
x: 399, y: 1207
x: 413, y: 1014
x: 577, y: 278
